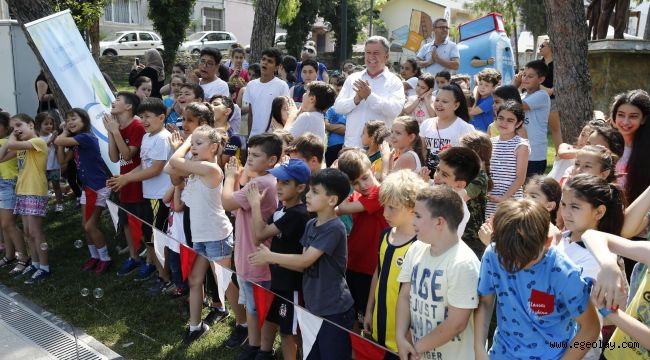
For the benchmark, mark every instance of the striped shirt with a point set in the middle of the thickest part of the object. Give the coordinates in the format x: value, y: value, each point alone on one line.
x: 504, y: 168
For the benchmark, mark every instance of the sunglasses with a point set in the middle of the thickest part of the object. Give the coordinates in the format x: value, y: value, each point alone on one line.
x: 442, y: 27
x: 308, y: 50
x: 542, y: 46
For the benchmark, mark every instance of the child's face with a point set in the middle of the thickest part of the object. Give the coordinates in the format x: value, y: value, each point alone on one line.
x: 186, y: 96
x: 268, y: 66
x: 47, y: 126
x: 446, y: 175
x: 22, y: 130
x: 258, y: 161
x: 579, y: 215
x: 588, y: 163
x: 288, y: 189
x: 207, y: 67
x: 531, y: 81
x: 421, y: 88
x: 74, y: 123
x: 238, y: 59
x: 446, y: 104
x: 308, y: 101
x: 534, y: 192
x: 506, y: 122
x: 364, y: 183
x: 176, y: 70
x: 398, y: 215
x: 406, y: 70
x: 365, y: 138
x: 119, y: 106
x: 441, y: 81
x: 152, y: 123
x: 583, y: 138
x: 628, y: 119
x: 485, y: 88
x: 596, y: 139
x: 497, y: 103
x: 425, y: 225
x: 144, y: 90
x: 317, y: 199
x: 308, y: 74
x: 190, y: 122
x: 220, y: 110
x: 202, y: 149
x: 399, y: 138
x: 175, y: 85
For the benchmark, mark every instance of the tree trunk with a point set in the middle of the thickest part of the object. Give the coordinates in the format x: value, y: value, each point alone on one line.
x: 263, y: 28
x: 567, y: 28
x: 93, y: 34
x: 25, y: 11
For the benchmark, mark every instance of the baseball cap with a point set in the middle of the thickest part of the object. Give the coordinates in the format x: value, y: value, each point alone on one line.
x: 294, y: 169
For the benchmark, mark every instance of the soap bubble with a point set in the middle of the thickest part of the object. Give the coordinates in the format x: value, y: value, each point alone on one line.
x: 44, y: 246
x: 78, y: 244
x: 98, y: 293
x: 85, y: 292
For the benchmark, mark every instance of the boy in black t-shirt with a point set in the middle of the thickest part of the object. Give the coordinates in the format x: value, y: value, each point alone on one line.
x: 287, y: 226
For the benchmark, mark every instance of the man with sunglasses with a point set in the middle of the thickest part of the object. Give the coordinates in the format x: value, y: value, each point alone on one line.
x: 441, y: 53
x: 309, y: 52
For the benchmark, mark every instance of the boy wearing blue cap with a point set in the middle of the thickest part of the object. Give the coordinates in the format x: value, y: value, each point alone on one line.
x: 286, y: 226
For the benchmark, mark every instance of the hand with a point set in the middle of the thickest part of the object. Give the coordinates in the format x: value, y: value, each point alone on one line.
x: 12, y: 137
x: 253, y: 195
x: 191, y: 76
x: 172, y: 127
x: 367, y: 323
x: 424, y: 174
x: 495, y: 199
x: 610, y: 286
x: 485, y: 233
x: 261, y: 257
x: 490, y: 61
x: 139, y: 67
x: 116, y: 183
x: 176, y: 140
x: 111, y: 124
x: 406, y: 349
x: 362, y: 88
x: 233, y: 169
x: 434, y: 55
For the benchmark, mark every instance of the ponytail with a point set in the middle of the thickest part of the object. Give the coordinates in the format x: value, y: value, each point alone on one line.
x: 597, y: 191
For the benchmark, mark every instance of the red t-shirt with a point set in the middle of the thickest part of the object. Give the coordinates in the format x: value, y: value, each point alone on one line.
x: 132, y: 135
x: 367, y: 226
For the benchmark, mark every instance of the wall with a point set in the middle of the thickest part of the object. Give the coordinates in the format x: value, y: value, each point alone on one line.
x: 107, y: 28
x: 239, y: 16
x: 610, y: 64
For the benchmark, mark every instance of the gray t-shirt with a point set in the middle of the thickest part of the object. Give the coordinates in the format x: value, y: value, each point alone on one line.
x: 323, y: 283
x: 536, y: 123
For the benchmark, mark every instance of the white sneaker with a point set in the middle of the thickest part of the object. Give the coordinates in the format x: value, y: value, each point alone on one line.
x: 58, y: 208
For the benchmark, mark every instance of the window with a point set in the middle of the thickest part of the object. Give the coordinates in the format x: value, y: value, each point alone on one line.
x: 146, y: 37
x: 213, y: 19
x: 129, y: 37
x: 123, y: 11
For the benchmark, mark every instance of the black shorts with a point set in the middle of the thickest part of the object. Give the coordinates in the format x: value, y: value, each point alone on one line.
x: 359, y: 285
x: 133, y: 208
x: 154, y: 212
x: 281, y: 312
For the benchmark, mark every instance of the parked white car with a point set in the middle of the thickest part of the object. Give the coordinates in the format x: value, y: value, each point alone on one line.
x: 130, y: 43
x: 220, y: 40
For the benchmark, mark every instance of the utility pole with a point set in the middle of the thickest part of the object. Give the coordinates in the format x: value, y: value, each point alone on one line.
x: 371, y: 15
x: 344, y: 30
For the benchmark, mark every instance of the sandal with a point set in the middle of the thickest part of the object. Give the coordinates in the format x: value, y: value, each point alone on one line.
x: 20, y: 267
x: 6, y: 261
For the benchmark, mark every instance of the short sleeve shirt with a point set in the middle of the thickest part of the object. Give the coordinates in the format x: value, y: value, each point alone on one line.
x: 536, y: 123
x: 132, y: 135
x: 335, y: 119
x: 484, y: 119
x: 323, y: 283
x: 312, y: 122
x: 32, y: 164
x: 260, y: 97
x: 477, y: 191
x: 437, y: 282
x: 216, y: 87
x: 447, y: 50
x: 90, y: 165
x: 243, y: 221
x: 534, y: 306
x: 156, y: 148
x: 437, y: 139
x: 367, y: 228
x: 291, y: 223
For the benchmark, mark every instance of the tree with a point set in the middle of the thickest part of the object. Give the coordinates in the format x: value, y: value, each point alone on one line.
x: 300, y: 26
x: 25, y: 11
x: 567, y: 26
x: 170, y: 19
x: 330, y: 11
x: 533, y: 15
x: 266, y: 13
x: 86, y: 14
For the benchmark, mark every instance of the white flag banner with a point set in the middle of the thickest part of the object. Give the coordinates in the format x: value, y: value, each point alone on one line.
x: 309, y: 326
x: 160, y: 241
x: 223, y: 278
x: 113, y: 210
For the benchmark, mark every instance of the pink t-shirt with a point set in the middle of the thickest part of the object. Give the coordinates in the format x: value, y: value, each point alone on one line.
x: 243, y: 237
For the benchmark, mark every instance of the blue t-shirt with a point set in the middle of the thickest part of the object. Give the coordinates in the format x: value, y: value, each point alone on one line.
x: 88, y: 158
x: 484, y: 119
x: 534, y: 306
x: 321, y: 69
x: 335, y: 118
x: 536, y: 123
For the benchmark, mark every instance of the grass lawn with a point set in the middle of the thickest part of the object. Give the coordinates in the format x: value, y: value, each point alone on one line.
x: 126, y: 318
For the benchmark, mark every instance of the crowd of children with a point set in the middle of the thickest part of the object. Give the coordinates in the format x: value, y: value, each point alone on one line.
x: 411, y: 240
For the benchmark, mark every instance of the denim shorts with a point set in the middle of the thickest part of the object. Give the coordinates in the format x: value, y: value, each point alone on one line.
x: 214, y: 250
x: 246, y: 297
x: 7, y: 194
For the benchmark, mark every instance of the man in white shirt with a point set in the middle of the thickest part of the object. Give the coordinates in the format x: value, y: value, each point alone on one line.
x: 441, y: 53
x: 372, y: 94
x: 209, y: 67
